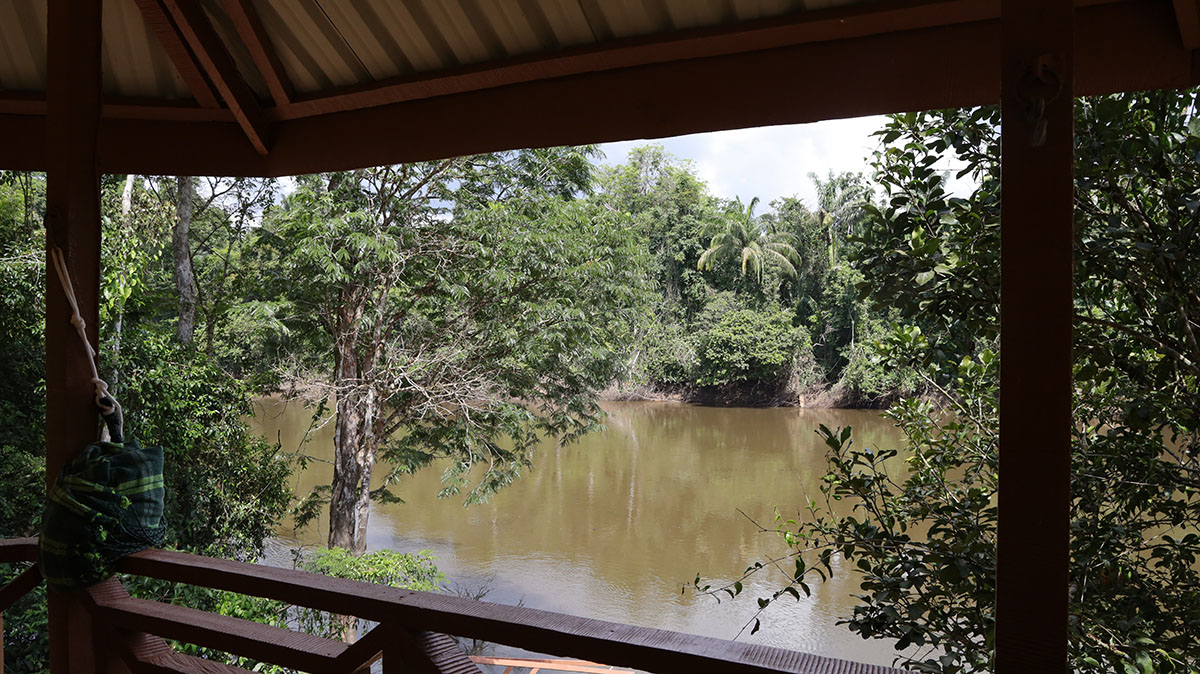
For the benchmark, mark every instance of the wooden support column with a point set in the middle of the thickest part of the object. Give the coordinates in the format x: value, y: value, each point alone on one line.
x: 73, y: 224
x: 1035, y: 319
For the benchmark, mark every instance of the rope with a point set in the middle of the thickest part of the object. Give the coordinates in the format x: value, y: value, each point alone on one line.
x: 103, y: 397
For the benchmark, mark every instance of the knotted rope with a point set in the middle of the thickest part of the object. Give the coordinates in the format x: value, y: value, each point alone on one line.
x: 104, y: 400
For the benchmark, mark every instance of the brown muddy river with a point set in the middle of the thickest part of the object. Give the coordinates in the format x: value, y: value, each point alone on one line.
x: 614, y: 526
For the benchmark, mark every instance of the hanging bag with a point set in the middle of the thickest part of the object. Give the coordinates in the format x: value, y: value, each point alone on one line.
x: 107, y: 502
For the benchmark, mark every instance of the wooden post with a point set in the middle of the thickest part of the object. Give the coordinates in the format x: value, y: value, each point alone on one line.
x: 73, y: 224
x: 1035, y: 338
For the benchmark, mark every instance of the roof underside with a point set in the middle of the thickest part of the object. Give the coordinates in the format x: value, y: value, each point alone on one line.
x: 271, y: 87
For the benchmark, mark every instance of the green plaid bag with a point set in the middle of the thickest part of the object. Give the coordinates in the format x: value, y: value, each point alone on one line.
x: 106, y: 503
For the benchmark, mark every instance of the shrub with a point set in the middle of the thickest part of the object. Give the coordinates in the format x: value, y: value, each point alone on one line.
x: 750, y: 347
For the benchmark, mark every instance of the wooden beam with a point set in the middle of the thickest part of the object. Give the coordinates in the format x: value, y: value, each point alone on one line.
x: 137, y: 652
x: 295, y: 650
x: 18, y: 550
x: 212, y: 55
x: 1187, y: 15
x: 73, y: 226
x: 115, y: 107
x: 859, y: 20
x: 1122, y: 46
x: 258, y: 43
x: 160, y: 23
x: 362, y: 654
x: 20, y: 586
x: 1036, y: 309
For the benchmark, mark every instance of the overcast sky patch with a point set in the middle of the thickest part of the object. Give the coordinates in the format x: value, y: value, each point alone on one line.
x: 772, y: 161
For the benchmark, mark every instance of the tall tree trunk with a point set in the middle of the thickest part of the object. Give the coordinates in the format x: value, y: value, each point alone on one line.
x: 185, y: 281
x: 366, y: 463
x: 349, y: 427
x: 118, y: 323
x: 353, y: 449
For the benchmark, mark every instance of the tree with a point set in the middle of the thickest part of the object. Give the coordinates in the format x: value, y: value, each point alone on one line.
x: 472, y: 310
x: 743, y: 239
x: 185, y: 282
x: 225, y: 489
x: 671, y: 209
x: 841, y: 202
x: 924, y: 543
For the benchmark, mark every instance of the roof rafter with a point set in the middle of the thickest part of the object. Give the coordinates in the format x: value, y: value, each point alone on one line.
x: 266, y: 59
x: 160, y: 23
x: 200, y: 35
x: 116, y: 107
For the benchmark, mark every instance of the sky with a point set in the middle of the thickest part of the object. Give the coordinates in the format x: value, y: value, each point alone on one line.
x: 771, y: 161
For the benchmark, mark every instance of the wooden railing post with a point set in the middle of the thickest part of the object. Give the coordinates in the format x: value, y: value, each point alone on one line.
x: 72, y: 224
x: 1036, y: 310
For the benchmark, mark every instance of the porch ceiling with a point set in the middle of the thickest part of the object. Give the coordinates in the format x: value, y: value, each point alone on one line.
x: 272, y: 87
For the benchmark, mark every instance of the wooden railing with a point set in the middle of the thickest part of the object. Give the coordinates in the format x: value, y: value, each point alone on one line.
x: 411, y: 635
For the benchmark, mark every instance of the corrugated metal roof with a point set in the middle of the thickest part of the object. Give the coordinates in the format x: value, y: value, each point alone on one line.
x: 329, y: 44
x: 23, y: 45
x: 133, y: 62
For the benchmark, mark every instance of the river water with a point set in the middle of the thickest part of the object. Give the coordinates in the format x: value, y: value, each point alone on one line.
x: 614, y: 527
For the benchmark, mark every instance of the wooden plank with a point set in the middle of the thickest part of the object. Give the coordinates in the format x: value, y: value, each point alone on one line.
x: 258, y: 43
x: 362, y: 653
x: 20, y: 586
x: 1187, y: 15
x: 1036, y: 309
x: 141, y: 653
x: 122, y: 108
x: 232, y: 635
x: 427, y: 652
x: 178, y: 663
x: 214, y: 58
x: 18, y: 550
x: 583, y: 666
x: 540, y: 631
x: 164, y: 29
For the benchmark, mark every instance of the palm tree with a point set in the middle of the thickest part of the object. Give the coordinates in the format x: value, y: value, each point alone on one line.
x: 841, y: 198
x: 746, y: 239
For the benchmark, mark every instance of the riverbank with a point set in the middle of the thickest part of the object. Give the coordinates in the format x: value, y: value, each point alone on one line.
x: 825, y: 397
x: 819, y: 397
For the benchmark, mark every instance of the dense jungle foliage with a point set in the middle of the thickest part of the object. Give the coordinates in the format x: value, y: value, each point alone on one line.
x: 464, y: 309
x: 923, y: 539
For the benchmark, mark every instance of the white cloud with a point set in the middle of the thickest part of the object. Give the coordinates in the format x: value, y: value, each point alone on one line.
x: 772, y: 161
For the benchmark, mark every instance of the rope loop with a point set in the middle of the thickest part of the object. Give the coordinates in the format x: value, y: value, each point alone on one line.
x: 105, y: 401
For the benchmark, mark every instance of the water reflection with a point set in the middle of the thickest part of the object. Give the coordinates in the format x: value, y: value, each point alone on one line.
x: 612, y: 527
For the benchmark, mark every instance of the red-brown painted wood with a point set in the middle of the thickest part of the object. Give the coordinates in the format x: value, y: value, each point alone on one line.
x: 165, y: 30
x: 1035, y: 342
x: 840, y: 23
x: 1123, y: 45
x: 18, y: 550
x: 266, y: 59
x: 540, y: 631
x: 73, y: 224
x: 214, y: 58
x: 295, y: 650
x: 20, y: 586
x: 425, y: 652
x: 362, y: 653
